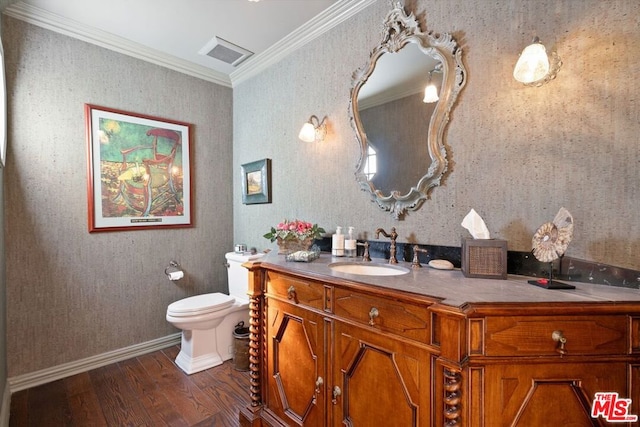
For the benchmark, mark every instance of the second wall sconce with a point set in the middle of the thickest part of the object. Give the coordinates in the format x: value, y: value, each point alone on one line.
x: 535, y: 67
x: 314, y: 130
x: 431, y: 91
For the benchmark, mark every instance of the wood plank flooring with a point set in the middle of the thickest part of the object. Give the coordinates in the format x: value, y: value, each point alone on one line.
x: 149, y: 390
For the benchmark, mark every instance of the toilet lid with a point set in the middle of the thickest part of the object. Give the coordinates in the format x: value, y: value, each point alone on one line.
x: 200, y: 304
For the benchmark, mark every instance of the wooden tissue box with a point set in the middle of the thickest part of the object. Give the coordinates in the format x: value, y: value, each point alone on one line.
x: 484, y: 258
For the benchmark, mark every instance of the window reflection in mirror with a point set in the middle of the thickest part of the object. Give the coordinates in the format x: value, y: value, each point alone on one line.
x: 371, y: 164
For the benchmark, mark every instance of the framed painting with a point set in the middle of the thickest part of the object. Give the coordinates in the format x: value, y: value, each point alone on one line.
x: 256, y: 182
x: 139, y: 171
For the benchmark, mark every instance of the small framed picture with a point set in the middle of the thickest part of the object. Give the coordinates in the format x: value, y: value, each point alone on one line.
x: 256, y: 182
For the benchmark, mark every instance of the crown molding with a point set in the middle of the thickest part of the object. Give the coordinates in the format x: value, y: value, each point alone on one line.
x: 337, y: 13
x: 42, y: 18
x: 389, y: 96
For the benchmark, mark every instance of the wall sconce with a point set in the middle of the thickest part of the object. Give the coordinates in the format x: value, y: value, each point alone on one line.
x: 535, y: 67
x: 314, y: 130
x: 431, y: 91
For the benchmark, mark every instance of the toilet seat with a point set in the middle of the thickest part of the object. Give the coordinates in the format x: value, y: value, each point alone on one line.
x: 200, y: 304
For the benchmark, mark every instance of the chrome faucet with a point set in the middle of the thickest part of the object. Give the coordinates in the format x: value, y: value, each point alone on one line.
x: 392, y: 249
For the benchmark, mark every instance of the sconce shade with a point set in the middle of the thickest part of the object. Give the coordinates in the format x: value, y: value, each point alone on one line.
x: 313, y: 130
x: 307, y: 133
x: 533, y: 64
x: 430, y: 94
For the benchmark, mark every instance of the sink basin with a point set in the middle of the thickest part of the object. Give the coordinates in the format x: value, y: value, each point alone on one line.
x: 368, y: 269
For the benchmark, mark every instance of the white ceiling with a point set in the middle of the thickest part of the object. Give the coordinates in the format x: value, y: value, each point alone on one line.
x: 171, y: 32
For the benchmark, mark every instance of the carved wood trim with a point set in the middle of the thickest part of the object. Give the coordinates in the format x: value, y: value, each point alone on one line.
x: 635, y: 334
x: 256, y: 331
x: 452, y: 397
x: 453, y: 342
x: 474, y: 413
x: 255, y: 324
x: 476, y: 337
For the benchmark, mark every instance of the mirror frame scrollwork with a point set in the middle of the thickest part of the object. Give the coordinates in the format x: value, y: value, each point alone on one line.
x: 399, y: 30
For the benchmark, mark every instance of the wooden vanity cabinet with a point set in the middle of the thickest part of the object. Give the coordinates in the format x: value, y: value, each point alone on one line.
x: 540, y: 370
x: 381, y: 368
x: 296, y: 367
x: 329, y: 352
x: 534, y: 394
x: 355, y: 368
x: 296, y: 334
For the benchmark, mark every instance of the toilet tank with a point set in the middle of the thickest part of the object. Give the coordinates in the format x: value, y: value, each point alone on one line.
x: 238, y: 276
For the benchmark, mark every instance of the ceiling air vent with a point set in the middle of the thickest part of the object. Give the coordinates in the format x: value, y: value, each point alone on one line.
x: 225, y: 51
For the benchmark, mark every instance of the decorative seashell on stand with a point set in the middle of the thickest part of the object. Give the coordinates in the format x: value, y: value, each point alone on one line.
x: 551, y: 239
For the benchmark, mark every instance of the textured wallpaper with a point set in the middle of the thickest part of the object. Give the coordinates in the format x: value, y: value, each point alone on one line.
x: 72, y: 294
x: 516, y: 154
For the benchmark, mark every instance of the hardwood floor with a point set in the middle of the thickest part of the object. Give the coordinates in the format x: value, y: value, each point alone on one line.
x: 149, y: 390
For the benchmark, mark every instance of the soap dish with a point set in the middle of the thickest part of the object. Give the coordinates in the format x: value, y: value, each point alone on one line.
x: 440, y: 264
x: 303, y: 256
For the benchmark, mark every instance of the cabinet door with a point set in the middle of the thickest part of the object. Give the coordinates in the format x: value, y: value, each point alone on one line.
x: 548, y: 394
x: 296, y: 364
x: 381, y: 381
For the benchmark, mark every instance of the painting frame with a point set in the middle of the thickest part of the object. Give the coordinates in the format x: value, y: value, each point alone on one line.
x: 138, y: 171
x: 3, y: 110
x: 256, y: 182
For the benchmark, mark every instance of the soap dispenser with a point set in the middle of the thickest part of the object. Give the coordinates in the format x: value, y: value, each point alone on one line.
x: 350, y: 244
x: 337, y: 243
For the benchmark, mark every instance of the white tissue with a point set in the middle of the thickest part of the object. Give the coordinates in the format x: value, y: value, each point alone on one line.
x: 176, y: 275
x: 476, y: 226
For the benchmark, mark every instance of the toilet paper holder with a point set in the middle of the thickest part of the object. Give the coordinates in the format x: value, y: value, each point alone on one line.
x: 173, y: 271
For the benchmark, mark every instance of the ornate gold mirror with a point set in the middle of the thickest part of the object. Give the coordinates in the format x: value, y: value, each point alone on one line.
x: 400, y: 130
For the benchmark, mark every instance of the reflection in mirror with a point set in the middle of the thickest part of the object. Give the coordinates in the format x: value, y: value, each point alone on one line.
x: 401, y: 135
x: 396, y: 119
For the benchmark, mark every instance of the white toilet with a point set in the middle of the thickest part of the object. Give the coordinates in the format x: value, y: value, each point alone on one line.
x: 208, y: 320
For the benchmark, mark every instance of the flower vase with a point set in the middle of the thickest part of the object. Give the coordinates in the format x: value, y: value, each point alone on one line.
x: 287, y: 246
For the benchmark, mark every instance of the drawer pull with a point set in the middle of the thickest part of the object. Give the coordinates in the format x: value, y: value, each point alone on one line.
x: 373, y: 313
x: 291, y: 294
x: 558, y: 337
x: 336, y: 392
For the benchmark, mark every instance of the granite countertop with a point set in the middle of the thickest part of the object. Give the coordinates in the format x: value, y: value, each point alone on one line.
x: 452, y: 288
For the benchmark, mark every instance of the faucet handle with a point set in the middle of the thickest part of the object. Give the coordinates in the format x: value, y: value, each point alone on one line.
x: 365, y: 256
x: 416, y: 262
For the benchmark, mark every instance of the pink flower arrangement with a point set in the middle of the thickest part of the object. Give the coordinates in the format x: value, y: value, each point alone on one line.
x: 296, y: 229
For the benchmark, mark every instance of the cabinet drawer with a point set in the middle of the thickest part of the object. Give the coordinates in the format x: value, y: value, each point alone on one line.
x: 402, y: 318
x: 532, y: 336
x: 299, y: 291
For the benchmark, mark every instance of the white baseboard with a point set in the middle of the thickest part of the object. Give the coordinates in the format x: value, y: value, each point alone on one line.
x: 6, y: 406
x: 44, y: 376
